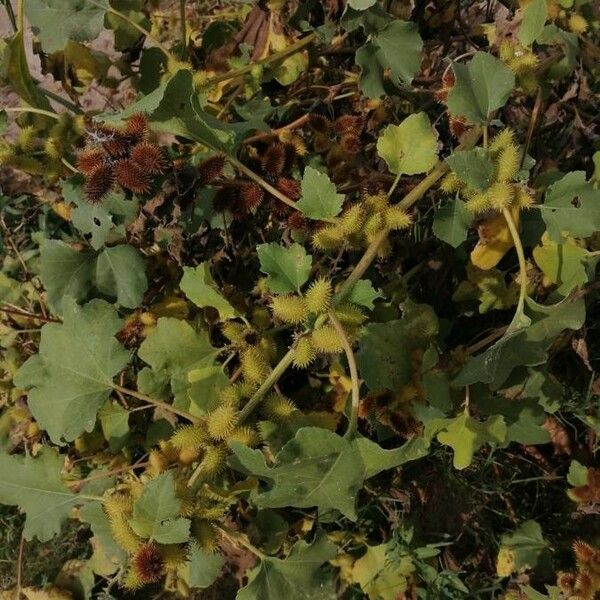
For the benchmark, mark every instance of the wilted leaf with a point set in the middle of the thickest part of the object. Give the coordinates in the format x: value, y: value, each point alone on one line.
x: 521, y: 549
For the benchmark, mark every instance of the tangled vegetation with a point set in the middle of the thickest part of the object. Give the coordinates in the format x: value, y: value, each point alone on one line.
x: 298, y: 299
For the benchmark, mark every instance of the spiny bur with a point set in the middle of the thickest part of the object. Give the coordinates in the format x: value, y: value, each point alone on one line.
x: 254, y: 365
x: 132, y: 176
x: 245, y: 435
x: 508, y: 161
x: 99, y: 183
x: 352, y: 219
x: 211, y: 169
x: 149, y: 157
x: 278, y: 408
x: 349, y: 314
x: 289, y: 308
x: 222, y: 421
x: 304, y: 352
x: 396, y: 218
x: 318, y: 297
x: 148, y: 564
x: 326, y: 339
x: 451, y: 183
x: 274, y: 159
x: 213, y: 461
x: 500, y: 195
x: 502, y: 140
x: 118, y: 508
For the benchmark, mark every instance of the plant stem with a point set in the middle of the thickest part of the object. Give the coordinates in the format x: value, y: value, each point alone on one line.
x: 20, y: 12
x: 273, y: 378
x: 158, y: 403
x: 521, y: 255
x: 29, y: 109
x: 394, y: 185
x: 136, y: 26
x: 277, y: 56
x: 183, y: 27
x: 236, y: 539
x: 468, y: 141
x: 353, y: 420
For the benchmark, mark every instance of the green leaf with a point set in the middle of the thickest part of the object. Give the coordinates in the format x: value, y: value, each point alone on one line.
x: 114, y: 420
x: 578, y: 474
x: 202, y: 568
x: 383, y: 357
x: 361, y: 4
x: 125, y: 34
x: 482, y: 86
x: 525, y: 544
x: 472, y: 167
x: 380, y: 576
x: 287, y: 268
x: 571, y: 205
x: 198, y: 285
x: 175, y: 351
x: 319, y: 468
x: 35, y: 486
x: 55, y: 22
x: 451, y: 222
x: 16, y: 72
x: 563, y: 264
x: 525, y: 346
x: 409, y: 148
x: 319, y: 198
x: 465, y: 436
x: 364, y: 294
x: 396, y: 47
x: 93, y: 513
x: 72, y: 375
x: 156, y: 512
x: 534, y: 19
x: 297, y: 577
x: 121, y: 273
x: 65, y: 272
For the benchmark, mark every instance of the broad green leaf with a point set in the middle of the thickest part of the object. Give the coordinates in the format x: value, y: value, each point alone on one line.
x: 202, y: 568
x: 198, y: 285
x: 319, y: 468
x: 376, y: 459
x: 156, y: 512
x: 35, y: 486
x: 383, y: 357
x: 72, y: 375
x: 380, y: 577
x: 55, y: 22
x: 482, y: 86
x: 525, y: 346
x: 577, y: 475
x: 396, y: 47
x: 522, y: 548
x: 121, y: 273
x: 287, y: 268
x: 114, y: 420
x: 571, y: 205
x: 205, y: 384
x: 297, y: 577
x: 409, y: 148
x: 319, y: 198
x: 93, y: 513
x: 361, y: 4
x: 534, y: 19
x: 451, y: 222
x: 364, y: 294
x: 563, y: 264
x: 125, y: 34
x: 174, y: 108
x: 174, y: 350
x: 465, y: 436
x: 16, y: 72
x: 65, y: 272
x: 472, y: 167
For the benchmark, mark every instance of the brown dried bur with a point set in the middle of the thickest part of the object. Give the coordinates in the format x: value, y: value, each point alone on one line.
x: 99, y: 183
x: 132, y: 177
x: 149, y: 157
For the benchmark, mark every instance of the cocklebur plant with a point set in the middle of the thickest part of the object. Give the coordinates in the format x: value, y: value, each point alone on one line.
x: 234, y: 335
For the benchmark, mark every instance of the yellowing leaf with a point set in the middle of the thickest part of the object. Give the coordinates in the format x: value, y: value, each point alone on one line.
x: 494, y: 241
